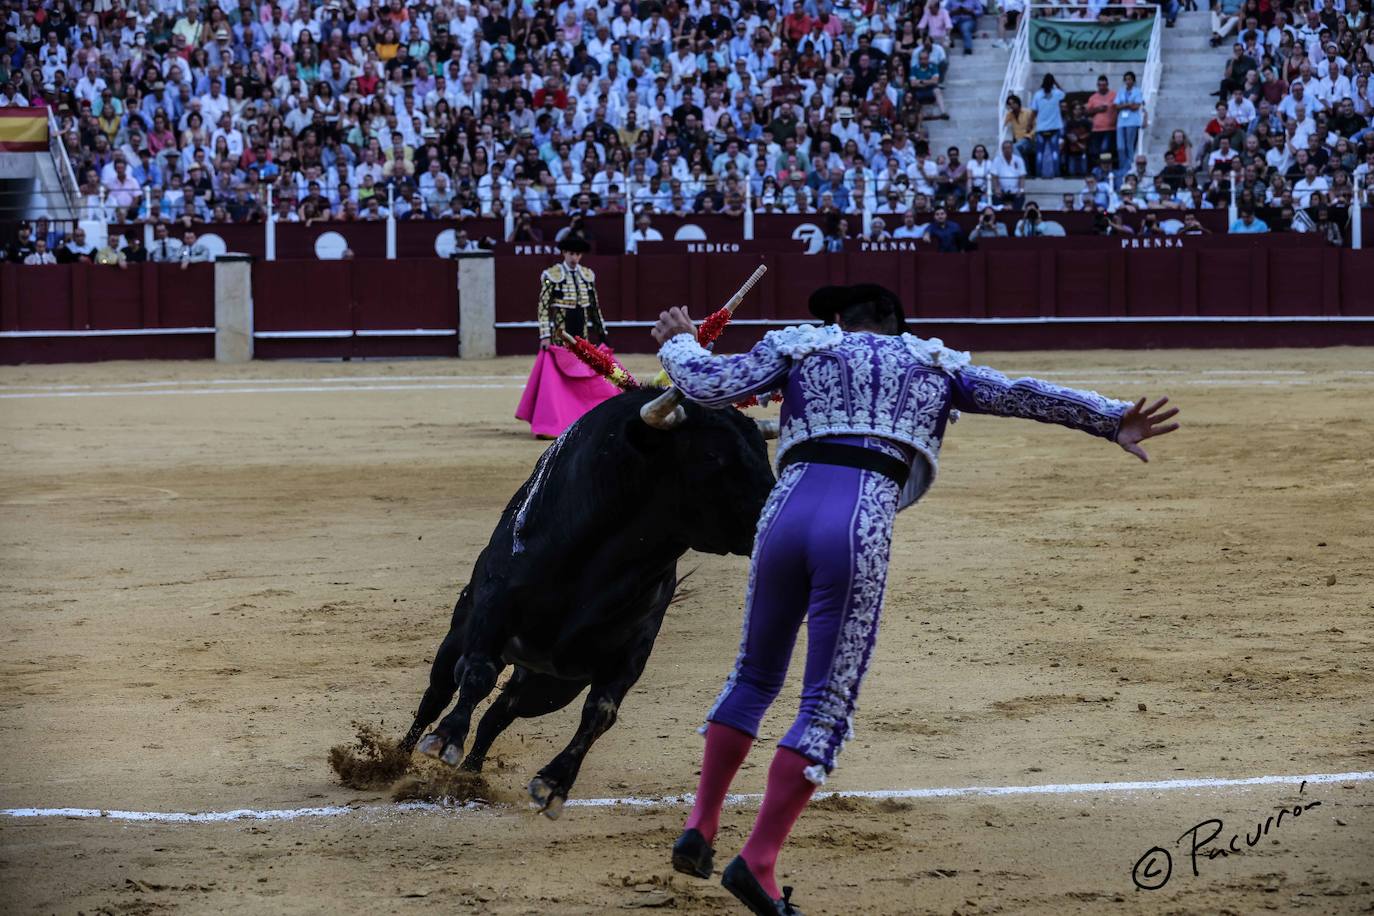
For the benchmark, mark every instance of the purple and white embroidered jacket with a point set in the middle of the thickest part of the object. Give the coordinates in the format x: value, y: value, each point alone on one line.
x: 901, y: 388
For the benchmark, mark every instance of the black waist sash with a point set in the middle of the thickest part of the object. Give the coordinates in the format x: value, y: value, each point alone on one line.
x: 848, y: 456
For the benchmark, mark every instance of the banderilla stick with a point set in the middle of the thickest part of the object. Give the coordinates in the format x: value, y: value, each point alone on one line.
x: 665, y: 411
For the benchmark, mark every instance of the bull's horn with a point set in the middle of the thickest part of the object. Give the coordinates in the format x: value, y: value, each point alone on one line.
x: 769, y: 428
x: 664, y: 411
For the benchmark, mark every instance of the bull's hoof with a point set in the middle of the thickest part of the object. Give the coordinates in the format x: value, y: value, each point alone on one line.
x: 545, y: 798
x: 437, y: 746
x: 430, y: 745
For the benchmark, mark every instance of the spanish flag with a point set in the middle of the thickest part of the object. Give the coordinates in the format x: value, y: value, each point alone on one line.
x: 23, y: 130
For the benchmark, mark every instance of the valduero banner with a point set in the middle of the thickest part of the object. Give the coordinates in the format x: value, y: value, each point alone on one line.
x: 1061, y: 39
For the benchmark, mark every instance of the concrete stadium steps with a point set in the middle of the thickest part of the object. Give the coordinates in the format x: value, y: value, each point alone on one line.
x: 1192, y: 72
x: 51, y: 197
x: 1049, y: 192
x: 972, y: 86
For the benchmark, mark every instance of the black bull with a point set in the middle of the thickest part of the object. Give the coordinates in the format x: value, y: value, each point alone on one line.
x: 573, y: 585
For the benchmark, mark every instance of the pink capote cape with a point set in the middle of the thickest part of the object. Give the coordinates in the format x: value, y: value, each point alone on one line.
x: 561, y: 388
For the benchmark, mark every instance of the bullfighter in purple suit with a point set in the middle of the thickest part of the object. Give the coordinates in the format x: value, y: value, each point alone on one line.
x: 865, y: 407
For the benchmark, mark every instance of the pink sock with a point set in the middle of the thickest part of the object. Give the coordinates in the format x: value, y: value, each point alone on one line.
x: 784, y: 799
x: 726, y: 749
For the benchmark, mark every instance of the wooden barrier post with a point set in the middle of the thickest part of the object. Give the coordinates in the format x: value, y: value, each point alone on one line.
x: 234, y: 308
x: 476, y: 304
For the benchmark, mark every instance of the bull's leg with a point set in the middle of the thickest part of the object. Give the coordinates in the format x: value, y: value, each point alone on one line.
x: 478, y: 679
x: 549, y: 790
x: 443, y: 684
x: 525, y: 696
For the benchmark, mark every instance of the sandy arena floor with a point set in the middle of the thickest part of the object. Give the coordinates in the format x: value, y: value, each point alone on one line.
x: 211, y: 573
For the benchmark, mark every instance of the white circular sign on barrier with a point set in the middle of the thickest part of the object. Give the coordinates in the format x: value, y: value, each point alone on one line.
x: 445, y: 242
x: 689, y: 232
x: 330, y: 246
x: 812, y: 235
x: 213, y: 244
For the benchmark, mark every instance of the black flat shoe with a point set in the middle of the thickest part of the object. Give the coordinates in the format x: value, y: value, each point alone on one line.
x: 740, y: 881
x: 692, y: 855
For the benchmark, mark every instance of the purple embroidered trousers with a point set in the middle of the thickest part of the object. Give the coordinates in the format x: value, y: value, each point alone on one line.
x: 820, y: 555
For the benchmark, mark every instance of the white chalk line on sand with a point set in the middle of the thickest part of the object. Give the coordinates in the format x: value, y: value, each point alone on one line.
x: 249, y: 380
x: 294, y: 389
x: 1081, y: 788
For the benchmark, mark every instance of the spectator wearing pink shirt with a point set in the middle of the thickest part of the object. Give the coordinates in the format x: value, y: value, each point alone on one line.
x: 935, y: 19
x: 123, y: 189
x: 1102, y: 109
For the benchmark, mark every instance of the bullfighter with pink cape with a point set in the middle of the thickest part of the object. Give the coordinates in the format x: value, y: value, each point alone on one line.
x: 561, y: 387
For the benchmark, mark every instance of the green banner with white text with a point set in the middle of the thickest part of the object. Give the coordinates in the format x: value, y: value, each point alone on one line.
x: 1060, y: 39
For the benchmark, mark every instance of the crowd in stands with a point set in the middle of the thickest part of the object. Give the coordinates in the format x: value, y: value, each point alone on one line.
x: 177, y: 111
x: 456, y: 108
x: 1290, y: 136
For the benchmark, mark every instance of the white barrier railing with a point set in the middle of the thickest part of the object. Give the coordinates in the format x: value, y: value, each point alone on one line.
x: 1149, y: 84
x: 66, y: 175
x: 1357, y: 216
x: 1018, y: 72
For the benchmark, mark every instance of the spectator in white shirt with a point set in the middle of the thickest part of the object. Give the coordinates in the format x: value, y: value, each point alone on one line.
x: 682, y: 61
x: 1332, y: 88
x: 924, y: 173
x: 625, y: 28
x: 1008, y: 177
x: 1240, y: 108
x: 1309, y: 184
x: 214, y: 104
x: 40, y: 253
x: 1297, y: 97
x: 1278, y: 156
x: 1222, y: 155
x: 656, y: 32
x: 644, y: 231
x: 464, y: 28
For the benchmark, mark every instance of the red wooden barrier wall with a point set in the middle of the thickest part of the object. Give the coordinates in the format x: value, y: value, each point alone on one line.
x: 355, y: 308
x: 1029, y: 294
x: 145, y: 311
x: 1010, y: 295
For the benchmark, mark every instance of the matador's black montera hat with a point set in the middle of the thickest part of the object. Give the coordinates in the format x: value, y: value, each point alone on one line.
x: 826, y: 302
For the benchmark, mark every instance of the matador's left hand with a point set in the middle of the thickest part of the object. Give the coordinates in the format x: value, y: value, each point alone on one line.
x: 671, y: 323
x: 1139, y: 423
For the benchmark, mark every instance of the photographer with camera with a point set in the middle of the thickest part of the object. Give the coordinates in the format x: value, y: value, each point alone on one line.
x: 988, y: 227
x: 1030, y: 225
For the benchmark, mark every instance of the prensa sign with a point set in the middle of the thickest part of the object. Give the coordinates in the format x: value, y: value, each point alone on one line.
x: 1170, y: 242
